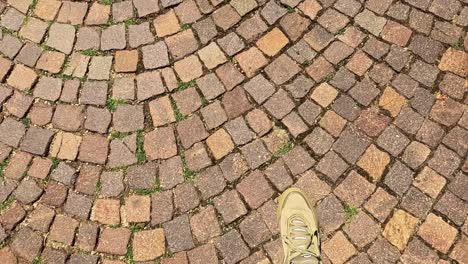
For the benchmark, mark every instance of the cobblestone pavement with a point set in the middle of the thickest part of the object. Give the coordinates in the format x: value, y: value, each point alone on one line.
x: 162, y: 131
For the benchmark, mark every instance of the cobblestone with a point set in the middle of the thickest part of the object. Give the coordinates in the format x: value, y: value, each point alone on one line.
x: 146, y: 124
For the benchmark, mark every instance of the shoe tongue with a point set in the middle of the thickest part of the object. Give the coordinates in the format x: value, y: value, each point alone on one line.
x: 304, y: 260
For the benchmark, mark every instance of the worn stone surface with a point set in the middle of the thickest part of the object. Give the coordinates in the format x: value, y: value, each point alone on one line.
x: 114, y: 241
x: 437, y: 233
x: 338, y: 248
x: 152, y: 124
x: 374, y: 161
x: 400, y: 228
x: 148, y: 244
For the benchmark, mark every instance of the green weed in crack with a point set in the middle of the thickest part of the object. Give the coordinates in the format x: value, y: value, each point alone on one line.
x: 340, y: 32
x: 5, y: 204
x: 140, y: 152
x: 178, y: 115
x: 350, y: 212
x: 118, y: 134
x: 98, y: 190
x: 283, y: 150
x: 328, y: 78
x: 32, y: 7
x: 136, y: 228
x: 112, y: 103
x: 55, y: 163
x: 131, y: 21
x: 306, y: 63
x: 37, y: 260
x: 184, y: 85
x: 184, y: 27
x: 107, y: 2
x: 47, y: 48
x: 187, y: 172
x: 26, y: 121
x: 29, y: 92
x: 64, y: 76
x: 205, y: 101
x: 129, y: 255
x: 155, y: 189
x: 3, y: 166
x: 458, y: 45
x: 110, y: 22
x: 91, y: 52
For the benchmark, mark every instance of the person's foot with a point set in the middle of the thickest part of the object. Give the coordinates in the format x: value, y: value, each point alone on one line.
x: 299, y: 228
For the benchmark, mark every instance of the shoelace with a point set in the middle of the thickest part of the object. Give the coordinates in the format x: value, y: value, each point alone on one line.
x: 300, y: 238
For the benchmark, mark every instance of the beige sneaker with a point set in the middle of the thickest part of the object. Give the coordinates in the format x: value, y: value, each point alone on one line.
x: 299, y: 228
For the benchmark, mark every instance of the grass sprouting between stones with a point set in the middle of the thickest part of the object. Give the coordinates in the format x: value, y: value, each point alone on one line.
x: 184, y: 27
x: 131, y: 21
x: 458, y: 45
x: 204, y: 101
x: 107, y: 2
x: 178, y: 115
x: 156, y: 188
x: 307, y: 63
x: 37, y: 260
x: 47, y: 48
x: 32, y: 7
x: 328, y: 78
x: 283, y: 150
x: 64, y: 76
x: 168, y: 253
x: 91, y: 52
x: 118, y: 134
x: 45, y: 181
x: 67, y: 62
x: 140, y: 152
x: 136, y: 228
x: 129, y: 254
x: 98, y: 189
x: 110, y: 22
x: 111, y: 104
x: 187, y: 173
x: 351, y: 212
x: 340, y: 32
x: 26, y: 121
x: 55, y: 163
x: 5, y: 204
x: 3, y: 167
x: 184, y: 85
x: 8, y: 31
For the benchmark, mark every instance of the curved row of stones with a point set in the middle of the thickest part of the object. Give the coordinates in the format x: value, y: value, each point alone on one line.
x: 162, y: 131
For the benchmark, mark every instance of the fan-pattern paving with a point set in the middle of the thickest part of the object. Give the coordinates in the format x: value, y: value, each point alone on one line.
x: 162, y: 131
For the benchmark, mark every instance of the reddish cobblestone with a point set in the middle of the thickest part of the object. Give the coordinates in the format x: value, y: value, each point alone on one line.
x: 232, y: 247
x: 205, y: 225
x: 230, y: 206
x: 161, y: 207
x: 63, y: 230
x: 178, y: 234
x: 114, y: 241
x: 191, y: 115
